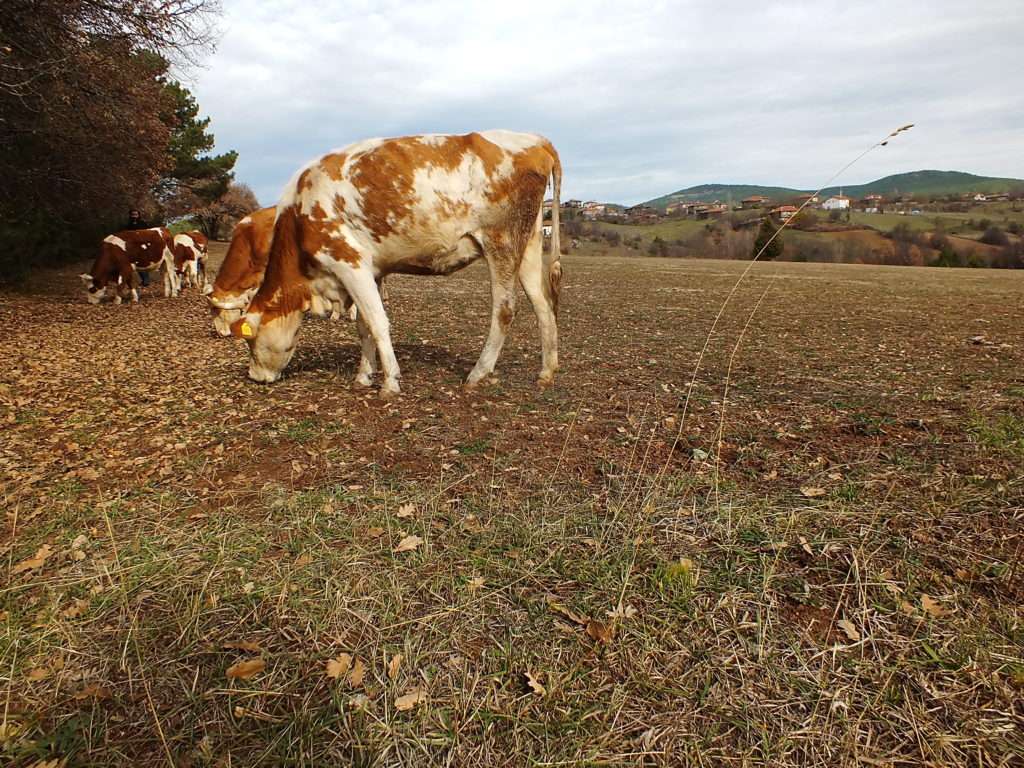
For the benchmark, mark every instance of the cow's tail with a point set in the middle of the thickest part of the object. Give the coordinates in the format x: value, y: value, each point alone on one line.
x: 555, y: 255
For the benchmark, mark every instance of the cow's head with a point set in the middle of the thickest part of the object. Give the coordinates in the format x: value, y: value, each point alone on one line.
x: 93, y: 292
x: 271, y: 343
x: 226, y: 308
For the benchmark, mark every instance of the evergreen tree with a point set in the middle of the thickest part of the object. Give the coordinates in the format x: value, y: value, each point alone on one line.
x: 197, y: 178
x: 764, y: 234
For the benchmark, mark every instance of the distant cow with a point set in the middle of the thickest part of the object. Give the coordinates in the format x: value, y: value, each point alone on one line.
x: 189, y: 258
x: 423, y: 205
x: 241, y: 274
x: 122, y: 256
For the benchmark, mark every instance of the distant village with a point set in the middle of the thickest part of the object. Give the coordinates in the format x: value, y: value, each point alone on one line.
x: 780, y: 209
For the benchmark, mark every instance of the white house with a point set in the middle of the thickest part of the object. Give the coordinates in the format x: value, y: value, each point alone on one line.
x: 837, y: 203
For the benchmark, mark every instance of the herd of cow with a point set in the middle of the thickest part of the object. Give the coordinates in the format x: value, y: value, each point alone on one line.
x: 421, y: 205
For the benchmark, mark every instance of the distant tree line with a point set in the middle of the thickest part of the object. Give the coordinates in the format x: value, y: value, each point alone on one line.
x: 91, y: 123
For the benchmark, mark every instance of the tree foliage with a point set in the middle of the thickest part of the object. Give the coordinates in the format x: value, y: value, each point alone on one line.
x: 772, y: 248
x: 83, y: 116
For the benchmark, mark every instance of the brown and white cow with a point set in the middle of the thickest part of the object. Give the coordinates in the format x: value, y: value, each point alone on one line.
x: 241, y: 272
x: 189, y: 259
x: 122, y: 256
x: 423, y: 205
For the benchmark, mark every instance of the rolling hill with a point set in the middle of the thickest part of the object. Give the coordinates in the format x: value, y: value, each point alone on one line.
x: 912, y: 183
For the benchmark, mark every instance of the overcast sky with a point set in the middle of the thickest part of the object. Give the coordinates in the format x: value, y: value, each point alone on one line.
x: 640, y: 98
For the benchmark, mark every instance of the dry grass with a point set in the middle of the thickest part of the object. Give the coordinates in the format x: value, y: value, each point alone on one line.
x: 877, y: 622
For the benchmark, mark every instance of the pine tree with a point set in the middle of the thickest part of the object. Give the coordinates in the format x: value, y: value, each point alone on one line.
x: 764, y: 234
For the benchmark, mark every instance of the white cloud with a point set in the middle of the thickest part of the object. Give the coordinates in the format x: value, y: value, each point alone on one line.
x: 639, y: 98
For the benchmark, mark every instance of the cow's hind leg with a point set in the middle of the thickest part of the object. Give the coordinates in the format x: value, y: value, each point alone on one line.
x: 500, y: 259
x: 533, y: 277
x: 368, y: 361
x: 363, y: 290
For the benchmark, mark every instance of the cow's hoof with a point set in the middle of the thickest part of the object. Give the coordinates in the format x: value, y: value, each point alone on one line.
x: 390, y: 390
x: 364, y: 380
x: 545, y: 380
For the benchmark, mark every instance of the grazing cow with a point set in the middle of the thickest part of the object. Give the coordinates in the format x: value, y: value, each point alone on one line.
x: 189, y: 257
x: 422, y: 205
x: 122, y: 256
x: 241, y: 273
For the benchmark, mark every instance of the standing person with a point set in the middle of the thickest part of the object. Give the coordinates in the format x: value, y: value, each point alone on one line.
x: 135, y: 222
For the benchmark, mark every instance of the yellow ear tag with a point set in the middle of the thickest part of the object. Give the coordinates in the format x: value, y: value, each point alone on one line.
x: 246, y: 329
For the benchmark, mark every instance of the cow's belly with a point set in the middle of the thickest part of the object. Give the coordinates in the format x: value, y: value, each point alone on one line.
x: 437, y: 250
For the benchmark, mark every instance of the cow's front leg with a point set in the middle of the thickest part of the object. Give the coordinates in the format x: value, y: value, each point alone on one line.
x: 503, y: 311
x: 363, y: 290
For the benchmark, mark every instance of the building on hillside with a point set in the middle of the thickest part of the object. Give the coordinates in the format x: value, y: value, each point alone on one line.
x: 837, y: 203
x: 713, y: 211
x: 998, y: 197
x: 784, y: 212
x: 547, y: 206
x: 755, y: 201
x: 805, y: 199
x: 642, y: 213
x: 592, y: 209
x: 980, y: 198
x: 572, y: 204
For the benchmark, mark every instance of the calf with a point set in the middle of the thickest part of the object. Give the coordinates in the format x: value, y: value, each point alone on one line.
x: 122, y: 256
x: 423, y: 205
x: 189, y: 258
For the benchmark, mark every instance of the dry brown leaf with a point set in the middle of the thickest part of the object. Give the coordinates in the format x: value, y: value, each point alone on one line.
x: 303, y: 560
x: 931, y: 606
x: 599, y: 631
x: 410, y: 700
x: 339, y: 666
x: 406, y: 510
x: 356, y: 675
x: 374, y: 532
x: 92, y: 691
x: 393, y: 666
x: 37, y: 673
x: 535, y: 685
x: 243, y: 645
x: 477, y: 582
x: 243, y: 670
x: 850, y: 629
x: 561, y: 610
x: 30, y: 564
x: 812, y: 493
x: 408, y: 544
x: 75, y: 609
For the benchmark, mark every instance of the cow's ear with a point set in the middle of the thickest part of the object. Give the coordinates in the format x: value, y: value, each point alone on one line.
x: 86, y: 278
x: 245, y: 327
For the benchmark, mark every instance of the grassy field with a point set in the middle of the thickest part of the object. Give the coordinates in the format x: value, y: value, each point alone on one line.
x: 811, y: 556
x: 667, y: 229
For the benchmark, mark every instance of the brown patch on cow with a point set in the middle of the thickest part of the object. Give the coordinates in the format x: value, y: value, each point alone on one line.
x: 305, y: 180
x: 246, y: 259
x: 384, y: 177
x: 506, y: 314
x: 318, y: 234
x: 490, y: 154
x: 451, y: 209
x: 334, y: 165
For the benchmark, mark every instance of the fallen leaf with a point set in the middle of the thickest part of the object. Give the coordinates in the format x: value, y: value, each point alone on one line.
x: 339, y: 666
x: 409, y: 543
x: 406, y: 510
x: 303, y: 560
x: 805, y: 546
x: 931, y: 606
x: 243, y: 645
x: 562, y: 610
x: 535, y: 685
x: 243, y: 670
x: 92, y: 691
x: 410, y: 700
x: 248, y: 587
x: 75, y: 609
x: 393, y: 666
x: 811, y: 492
x: 32, y: 563
x: 600, y: 631
x: 37, y: 673
x: 477, y: 582
x: 850, y: 629
x: 374, y: 532
x: 355, y: 677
